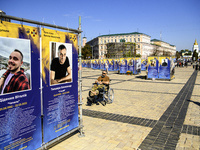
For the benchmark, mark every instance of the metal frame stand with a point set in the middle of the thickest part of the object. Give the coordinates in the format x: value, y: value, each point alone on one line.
x: 80, y: 127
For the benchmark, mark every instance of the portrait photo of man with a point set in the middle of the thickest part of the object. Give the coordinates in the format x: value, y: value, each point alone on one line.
x: 15, y: 73
x: 164, y: 62
x: 60, y: 67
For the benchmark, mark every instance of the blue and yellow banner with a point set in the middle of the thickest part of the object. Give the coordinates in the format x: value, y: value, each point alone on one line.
x: 20, y: 109
x: 152, y: 68
x: 164, y: 68
x: 60, y: 82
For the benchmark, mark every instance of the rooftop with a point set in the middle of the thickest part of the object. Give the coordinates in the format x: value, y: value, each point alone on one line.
x: 118, y: 34
x: 156, y: 40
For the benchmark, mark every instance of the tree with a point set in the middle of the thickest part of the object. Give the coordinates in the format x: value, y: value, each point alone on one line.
x: 178, y: 54
x: 156, y: 50
x: 87, y: 51
x: 195, y: 55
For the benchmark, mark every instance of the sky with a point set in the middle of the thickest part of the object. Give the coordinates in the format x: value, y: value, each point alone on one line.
x: 7, y: 45
x: 176, y: 22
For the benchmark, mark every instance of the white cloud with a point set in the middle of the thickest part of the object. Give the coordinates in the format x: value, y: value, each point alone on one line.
x: 8, y: 45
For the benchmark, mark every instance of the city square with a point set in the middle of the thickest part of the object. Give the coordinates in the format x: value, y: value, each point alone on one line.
x: 135, y: 119
x: 99, y: 75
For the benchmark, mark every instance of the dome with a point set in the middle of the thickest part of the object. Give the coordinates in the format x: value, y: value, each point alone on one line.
x: 195, y: 43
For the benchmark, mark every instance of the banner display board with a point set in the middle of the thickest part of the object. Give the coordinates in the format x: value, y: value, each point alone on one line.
x: 123, y: 66
x: 88, y: 64
x: 84, y: 63
x: 95, y: 64
x: 60, y: 82
x: 98, y: 64
x: 93, y: 61
x: 137, y: 65
x: 152, y: 68
x: 20, y: 105
x: 102, y: 65
x: 116, y: 65
x: 131, y: 65
x: 111, y: 65
x: 143, y: 64
x: 164, y: 68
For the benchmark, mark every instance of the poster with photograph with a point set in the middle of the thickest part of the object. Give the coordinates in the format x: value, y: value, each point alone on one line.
x: 152, y: 68
x: 116, y: 65
x: 131, y: 65
x: 20, y: 109
x: 143, y: 64
x: 60, y: 82
x: 164, y: 69
x: 111, y: 65
x: 123, y: 66
x: 61, y: 63
x: 102, y: 65
x: 137, y: 66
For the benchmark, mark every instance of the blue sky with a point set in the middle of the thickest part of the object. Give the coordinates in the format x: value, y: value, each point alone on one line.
x: 177, y: 20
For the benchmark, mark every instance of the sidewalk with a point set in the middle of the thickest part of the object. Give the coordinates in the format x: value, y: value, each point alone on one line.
x: 138, y: 105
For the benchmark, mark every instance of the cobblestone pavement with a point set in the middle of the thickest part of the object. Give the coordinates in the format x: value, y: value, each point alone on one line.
x: 145, y: 114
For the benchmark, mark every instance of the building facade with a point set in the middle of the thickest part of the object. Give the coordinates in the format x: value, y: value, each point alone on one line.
x: 143, y: 44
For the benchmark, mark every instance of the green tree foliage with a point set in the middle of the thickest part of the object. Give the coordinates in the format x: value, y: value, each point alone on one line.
x: 178, y: 54
x: 87, y: 52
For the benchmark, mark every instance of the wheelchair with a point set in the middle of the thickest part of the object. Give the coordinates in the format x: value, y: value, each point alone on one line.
x: 105, y: 96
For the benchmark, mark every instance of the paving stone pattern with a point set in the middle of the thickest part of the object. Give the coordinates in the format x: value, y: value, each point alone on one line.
x: 145, y: 114
x: 166, y: 132
x: 120, y: 118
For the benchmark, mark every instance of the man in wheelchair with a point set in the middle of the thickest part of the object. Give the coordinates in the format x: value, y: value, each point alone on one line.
x: 100, y: 85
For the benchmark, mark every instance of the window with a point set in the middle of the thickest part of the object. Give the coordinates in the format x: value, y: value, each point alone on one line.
x: 115, y: 40
x: 111, y: 40
x: 130, y: 40
x: 138, y: 39
x: 138, y: 46
x: 108, y: 41
x: 134, y: 40
x: 104, y: 41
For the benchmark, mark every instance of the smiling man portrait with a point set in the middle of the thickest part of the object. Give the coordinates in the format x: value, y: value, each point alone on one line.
x: 14, y: 78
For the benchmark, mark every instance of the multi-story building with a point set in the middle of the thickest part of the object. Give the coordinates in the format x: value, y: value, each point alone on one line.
x: 143, y: 44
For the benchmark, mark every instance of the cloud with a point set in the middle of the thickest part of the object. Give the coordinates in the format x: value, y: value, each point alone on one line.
x: 8, y: 45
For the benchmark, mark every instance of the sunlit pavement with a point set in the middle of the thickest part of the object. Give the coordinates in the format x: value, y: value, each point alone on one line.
x: 145, y: 114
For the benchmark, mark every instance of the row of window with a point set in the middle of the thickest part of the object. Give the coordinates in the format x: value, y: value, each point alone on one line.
x: 124, y: 36
x: 105, y: 47
x: 119, y: 40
